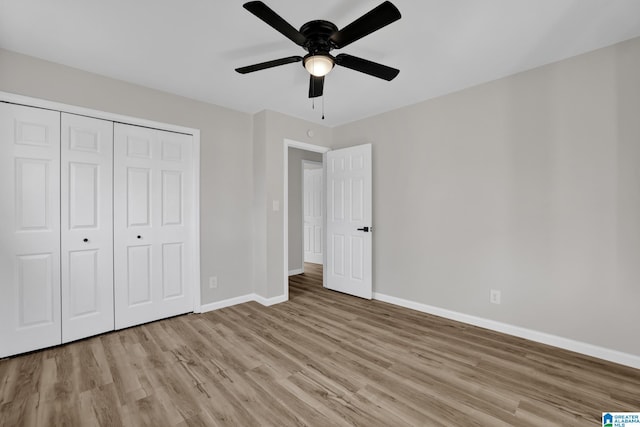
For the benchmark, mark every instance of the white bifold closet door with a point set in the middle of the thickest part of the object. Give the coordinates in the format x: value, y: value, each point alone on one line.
x: 153, y: 185
x: 29, y: 229
x: 96, y: 226
x: 87, y: 226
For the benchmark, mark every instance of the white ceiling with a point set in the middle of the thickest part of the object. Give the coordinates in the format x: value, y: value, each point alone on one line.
x: 191, y: 47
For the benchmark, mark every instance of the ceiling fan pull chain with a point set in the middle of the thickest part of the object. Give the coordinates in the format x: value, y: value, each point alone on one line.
x: 322, y: 107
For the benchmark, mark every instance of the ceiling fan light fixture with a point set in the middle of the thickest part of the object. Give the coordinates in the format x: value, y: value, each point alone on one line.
x: 318, y: 65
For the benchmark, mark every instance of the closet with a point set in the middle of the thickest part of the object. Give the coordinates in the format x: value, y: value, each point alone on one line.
x: 97, y: 226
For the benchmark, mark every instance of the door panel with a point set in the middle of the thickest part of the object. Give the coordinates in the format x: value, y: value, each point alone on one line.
x: 153, y: 184
x: 35, y: 290
x: 87, y: 226
x: 139, y: 275
x: 172, y: 198
x: 29, y: 229
x: 138, y: 190
x: 139, y: 146
x: 337, y: 255
x: 83, y: 195
x: 172, y: 265
x: 357, y: 201
x: 84, y: 282
x: 32, y: 190
x: 349, y: 191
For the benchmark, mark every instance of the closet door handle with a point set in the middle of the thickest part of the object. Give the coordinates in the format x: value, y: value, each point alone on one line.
x: 85, y: 240
x: 139, y: 236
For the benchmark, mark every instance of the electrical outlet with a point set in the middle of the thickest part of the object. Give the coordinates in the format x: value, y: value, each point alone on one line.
x: 494, y: 297
x: 213, y: 282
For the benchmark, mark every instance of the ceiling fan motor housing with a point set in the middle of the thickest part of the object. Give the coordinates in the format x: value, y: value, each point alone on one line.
x: 317, y: 34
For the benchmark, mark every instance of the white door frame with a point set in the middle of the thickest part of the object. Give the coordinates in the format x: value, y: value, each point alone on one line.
x: 302, y: 146
x: 65, y: 108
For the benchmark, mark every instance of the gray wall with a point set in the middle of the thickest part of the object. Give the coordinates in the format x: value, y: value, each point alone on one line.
x: 274, y: 129
x: 225, y: 165
x: 530, y: 185
x: 296, y: 237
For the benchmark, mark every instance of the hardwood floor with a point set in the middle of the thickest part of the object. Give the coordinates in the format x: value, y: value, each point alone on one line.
x: 320, y: 359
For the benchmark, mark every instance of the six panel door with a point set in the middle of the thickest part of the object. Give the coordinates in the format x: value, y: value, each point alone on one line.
x: 349, y: 205
x: 29, y: 229
x: 87, y: 226
x: 153, y: 181
x: 313, y: 208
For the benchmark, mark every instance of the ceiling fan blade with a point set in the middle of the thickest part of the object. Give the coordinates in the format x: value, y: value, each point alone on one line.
x: 316, y: 86
x: 265, y: 13
x: 367, y: 67
x: 268, y: 64
x: 379, y: 17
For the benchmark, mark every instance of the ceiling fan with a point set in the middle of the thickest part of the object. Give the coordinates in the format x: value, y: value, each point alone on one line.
x: 320, y: 37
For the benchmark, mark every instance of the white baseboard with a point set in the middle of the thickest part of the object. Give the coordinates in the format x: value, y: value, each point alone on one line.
x: 241, y: 300
x: 226, y: 303
x: 269, y: 301
x: 296, y: 271
x: 541, y: 337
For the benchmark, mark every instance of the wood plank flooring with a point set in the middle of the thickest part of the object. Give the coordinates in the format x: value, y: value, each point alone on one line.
x: 320, y: 359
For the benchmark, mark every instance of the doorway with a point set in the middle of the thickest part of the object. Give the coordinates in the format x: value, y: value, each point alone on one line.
x: 347, y: 255
x: 294, y: 155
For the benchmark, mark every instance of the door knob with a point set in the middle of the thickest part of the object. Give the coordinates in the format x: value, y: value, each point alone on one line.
x: 139, y: 236
x: 85, y: 240
x: 365, y: 229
